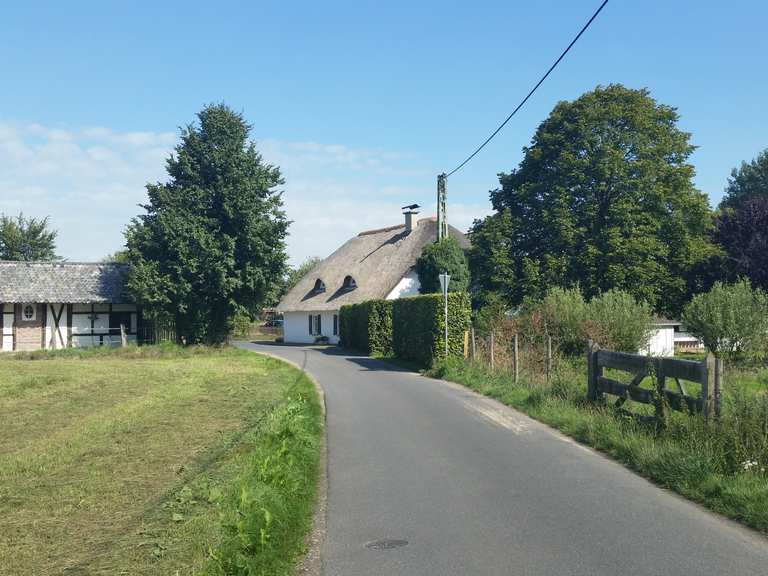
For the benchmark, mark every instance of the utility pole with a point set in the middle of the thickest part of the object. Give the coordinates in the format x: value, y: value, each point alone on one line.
x: 442, y: 222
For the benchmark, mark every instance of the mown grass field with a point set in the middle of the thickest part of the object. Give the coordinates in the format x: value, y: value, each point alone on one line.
x: 156, y: 460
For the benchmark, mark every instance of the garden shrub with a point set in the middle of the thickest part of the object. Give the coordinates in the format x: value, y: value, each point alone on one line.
x: 615, y: 320
x: 563, y: 313
x: 418, y: 327
x: 731, y: 320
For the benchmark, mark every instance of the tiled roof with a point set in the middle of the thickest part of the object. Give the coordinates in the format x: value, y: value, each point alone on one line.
x: 375, y: 259
x: 65, y: 282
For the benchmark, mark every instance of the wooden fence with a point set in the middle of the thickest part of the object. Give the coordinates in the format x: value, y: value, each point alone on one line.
x: 707, y: 374
x: 157, y: 332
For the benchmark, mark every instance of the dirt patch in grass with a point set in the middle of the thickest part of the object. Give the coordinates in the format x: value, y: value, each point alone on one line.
x: 125, y: 462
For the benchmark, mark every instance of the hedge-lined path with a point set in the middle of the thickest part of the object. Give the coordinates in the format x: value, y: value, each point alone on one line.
x: 475, y: 487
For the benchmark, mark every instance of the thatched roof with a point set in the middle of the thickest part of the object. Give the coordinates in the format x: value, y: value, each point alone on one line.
x: 65, y: 282
x: 375, y: 259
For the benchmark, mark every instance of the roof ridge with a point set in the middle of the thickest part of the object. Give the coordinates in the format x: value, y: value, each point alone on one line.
x: 379, y: 230
x: 62, y: 263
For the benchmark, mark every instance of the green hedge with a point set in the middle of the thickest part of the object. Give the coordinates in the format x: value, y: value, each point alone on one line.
x: 367, y: 326
x: 418, y: 327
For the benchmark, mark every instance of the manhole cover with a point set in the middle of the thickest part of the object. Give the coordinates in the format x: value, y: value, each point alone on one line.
x: 386, y: 544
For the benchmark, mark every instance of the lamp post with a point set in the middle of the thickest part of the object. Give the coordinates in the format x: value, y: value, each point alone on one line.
x: 445, y: 279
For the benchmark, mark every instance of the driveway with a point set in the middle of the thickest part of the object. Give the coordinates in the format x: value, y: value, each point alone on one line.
x: 428, y: 478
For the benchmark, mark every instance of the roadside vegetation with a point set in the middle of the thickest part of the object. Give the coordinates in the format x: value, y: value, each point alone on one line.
x: 155, y: 460
x: 721, y: 463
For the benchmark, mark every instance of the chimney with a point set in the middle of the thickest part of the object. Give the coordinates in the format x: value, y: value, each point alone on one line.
x: 410, y: 217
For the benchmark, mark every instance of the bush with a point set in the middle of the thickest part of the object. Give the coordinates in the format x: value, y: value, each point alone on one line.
x: 418, y: 327
x: 615, y: 320
x: 492, y: 312
x: 444, y: 256
x: 731, y: 320
x: 563, y: 313
x: 367, y: 326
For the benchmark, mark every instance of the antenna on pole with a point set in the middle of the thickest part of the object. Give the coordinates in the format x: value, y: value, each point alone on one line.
x: 442, y: 222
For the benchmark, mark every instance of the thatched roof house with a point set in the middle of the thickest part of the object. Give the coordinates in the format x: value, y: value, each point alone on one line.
x: 375, y: 264
x: 63, y: 304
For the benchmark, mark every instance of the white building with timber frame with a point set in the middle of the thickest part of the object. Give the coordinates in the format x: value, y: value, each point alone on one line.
x: 53, y: 305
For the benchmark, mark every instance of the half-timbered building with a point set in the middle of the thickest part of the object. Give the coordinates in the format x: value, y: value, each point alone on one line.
x: 52, y: 305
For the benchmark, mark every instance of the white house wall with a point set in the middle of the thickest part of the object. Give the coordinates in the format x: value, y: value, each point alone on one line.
x: 296, y: 327
x: 409, y: 285
x: 661, y: 342
x: 56, y: 339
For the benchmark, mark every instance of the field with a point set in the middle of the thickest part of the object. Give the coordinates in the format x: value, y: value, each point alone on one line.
x: 135, y: 461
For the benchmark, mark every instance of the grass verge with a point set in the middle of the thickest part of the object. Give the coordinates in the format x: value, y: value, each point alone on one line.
x: 722, y: 466
x: 155, y: 460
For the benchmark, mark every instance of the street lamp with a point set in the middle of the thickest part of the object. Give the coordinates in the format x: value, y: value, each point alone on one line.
x: 445, y: 279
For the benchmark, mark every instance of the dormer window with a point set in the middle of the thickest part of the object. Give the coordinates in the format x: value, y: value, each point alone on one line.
x: 319, y: 286
x: 349, y: 283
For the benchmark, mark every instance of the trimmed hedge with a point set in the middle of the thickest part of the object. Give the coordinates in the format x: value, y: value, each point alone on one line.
x: 367, y: 326
x: 418, y: 327
x: 410, y: 328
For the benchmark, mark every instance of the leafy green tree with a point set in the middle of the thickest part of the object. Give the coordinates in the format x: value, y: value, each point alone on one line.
x: 748, y: 181
x: 731, y: 320
x: 742, y: 231
x: 443, y: 256
x: 211, y: 245
x: 490, y: 265
x: 603, y: 198
x: 26, y: 239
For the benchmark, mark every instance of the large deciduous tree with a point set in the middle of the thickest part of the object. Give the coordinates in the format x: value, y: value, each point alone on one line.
x: 24, y: 238
x: 211, y: 245
x: 743, y: 234
x: 603, y: 199
x: 748, y: 181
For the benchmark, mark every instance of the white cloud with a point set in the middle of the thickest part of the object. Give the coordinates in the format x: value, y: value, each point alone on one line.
x: 90, y: 181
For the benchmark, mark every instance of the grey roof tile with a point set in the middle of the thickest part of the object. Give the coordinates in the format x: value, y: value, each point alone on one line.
x: 66, y: 282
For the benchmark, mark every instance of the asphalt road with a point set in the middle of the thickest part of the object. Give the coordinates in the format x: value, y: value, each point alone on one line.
x: 477, y: 488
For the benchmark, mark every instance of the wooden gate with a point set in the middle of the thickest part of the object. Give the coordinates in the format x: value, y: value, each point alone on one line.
x: 707, y: 374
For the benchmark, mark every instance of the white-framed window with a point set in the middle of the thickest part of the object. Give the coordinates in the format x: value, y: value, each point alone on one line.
x: 29, y: 312
x: 315, y: 325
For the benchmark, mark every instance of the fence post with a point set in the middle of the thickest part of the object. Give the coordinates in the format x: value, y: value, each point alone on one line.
x: 474, y: 346
x: 708, y: 386
x: 516, y: 358
x: 466, y: 344
x: 549, y: 358
x: 592, y: 371
x: 123, y: 337
x: 492, y: 363
x: 718, y: 392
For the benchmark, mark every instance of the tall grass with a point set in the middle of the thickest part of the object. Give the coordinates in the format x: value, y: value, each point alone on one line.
x: 721, y: 465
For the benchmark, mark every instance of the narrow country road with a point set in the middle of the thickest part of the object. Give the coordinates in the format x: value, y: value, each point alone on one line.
x: 476, y: 488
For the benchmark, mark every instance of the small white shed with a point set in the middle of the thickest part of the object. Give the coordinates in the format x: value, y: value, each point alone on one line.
x: 661, y: 341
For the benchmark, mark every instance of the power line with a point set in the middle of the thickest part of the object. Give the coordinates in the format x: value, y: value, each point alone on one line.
x: 460, y: 166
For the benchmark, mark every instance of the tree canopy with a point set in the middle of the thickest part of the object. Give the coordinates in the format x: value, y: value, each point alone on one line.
x: 743, y: 234
x: 748, y: 181
x: 210, y: 246
x: 603, y: 199
x: 27, y: 239
x: 439, y: 257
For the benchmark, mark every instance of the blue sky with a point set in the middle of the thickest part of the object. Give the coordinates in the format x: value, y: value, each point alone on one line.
x: 360, y: 103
